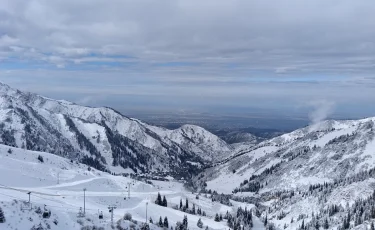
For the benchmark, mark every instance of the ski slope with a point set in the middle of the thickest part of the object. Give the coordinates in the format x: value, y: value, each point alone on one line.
x: 58, y: 183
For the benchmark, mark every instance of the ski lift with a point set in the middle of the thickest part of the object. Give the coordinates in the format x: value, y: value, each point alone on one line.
x: 46, y: 213
x: 26, y: 206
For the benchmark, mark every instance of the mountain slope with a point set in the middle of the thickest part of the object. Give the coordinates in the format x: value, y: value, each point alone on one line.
x: 318, y: 153
x: 56, y: 184
x: 102, y: 137
x: 308, y: 170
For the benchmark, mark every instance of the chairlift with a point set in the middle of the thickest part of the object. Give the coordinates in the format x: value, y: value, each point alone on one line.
x: 46, y: 213
x: 26, y: 206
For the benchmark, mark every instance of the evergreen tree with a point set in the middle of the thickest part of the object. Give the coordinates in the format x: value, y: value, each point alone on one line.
x: 158, y: 200
x: 326, y: 225
x: 187, y: 204
x: 40, y: 158
x: 317, y: 225
x: 2, y: 217
x: 265, y: 221
x: 303, y: 224
x: 151, y: 221
x: 161, y: 224
x: 166, y: 224
x: 193, y: 210
x: 165, y: 204
x: 200, y: 223
x: 217, y: 218
x: 185, y: 222
x: 372, y: 226
x: 346, y: 224
x: 180, y: 203
x: 226, y: 215
x: 229, y: 222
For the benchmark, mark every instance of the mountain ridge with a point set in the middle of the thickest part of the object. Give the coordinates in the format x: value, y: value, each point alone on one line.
x: 315, y: 138
x: 102, y: 136
x: 295, y: 179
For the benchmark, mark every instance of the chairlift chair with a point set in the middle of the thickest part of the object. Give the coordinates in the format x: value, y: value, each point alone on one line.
x: 46, y: 213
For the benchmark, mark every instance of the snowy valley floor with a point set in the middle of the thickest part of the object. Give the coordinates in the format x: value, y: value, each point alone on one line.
x: 22, y: 172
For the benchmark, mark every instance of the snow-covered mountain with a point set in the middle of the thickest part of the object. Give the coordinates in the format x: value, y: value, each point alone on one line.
x: 102, y: 137
x: 314, y: 154
x: 308, y: 170
x: 318, y: 176
x: 56, y: 185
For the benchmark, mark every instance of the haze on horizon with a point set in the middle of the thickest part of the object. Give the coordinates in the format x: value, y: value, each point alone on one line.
x: 309, y: 59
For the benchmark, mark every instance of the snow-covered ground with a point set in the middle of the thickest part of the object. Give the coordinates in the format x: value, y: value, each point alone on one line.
x: 57, y: 184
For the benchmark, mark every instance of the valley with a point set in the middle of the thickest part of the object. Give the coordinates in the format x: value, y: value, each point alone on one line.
x: 22, y: 172
x: 73, y: 159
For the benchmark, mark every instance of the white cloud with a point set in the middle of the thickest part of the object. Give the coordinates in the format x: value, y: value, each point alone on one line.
x: 236, y: 48
x: 266, y: 34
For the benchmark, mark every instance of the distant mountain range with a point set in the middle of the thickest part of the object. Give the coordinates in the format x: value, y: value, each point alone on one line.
x: 249, y: 135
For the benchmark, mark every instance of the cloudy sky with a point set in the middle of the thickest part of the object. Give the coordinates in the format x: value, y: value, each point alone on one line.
x: 287, y: 57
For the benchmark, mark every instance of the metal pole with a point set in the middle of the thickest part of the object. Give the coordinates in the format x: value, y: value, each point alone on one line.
x: 84, y: 201
x: 29, y: 196
x: 112, y: 215
x: 129, y: 189
x: 146, y: 211
x: 111, y: 208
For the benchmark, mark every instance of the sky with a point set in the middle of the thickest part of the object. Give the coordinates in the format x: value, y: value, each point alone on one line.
x: 311, y: 58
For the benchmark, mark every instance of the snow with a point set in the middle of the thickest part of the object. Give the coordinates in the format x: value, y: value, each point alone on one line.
x: 318, y: 165
x: 322, y: 141
x: 204, y: 143
x: 368, y: 155
x: 65, y: 199
x: 59, y: 183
